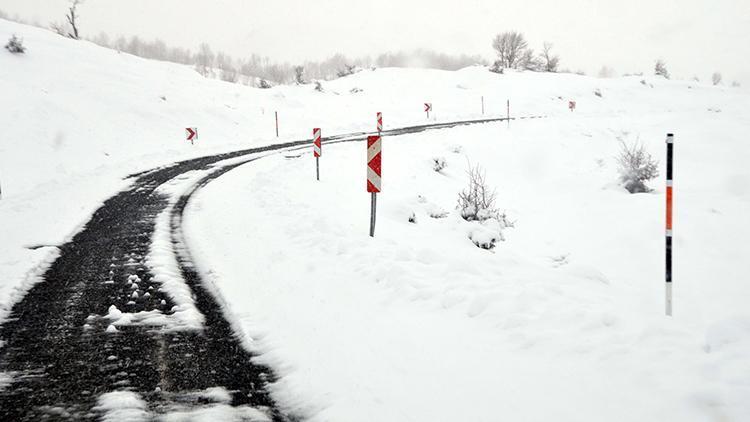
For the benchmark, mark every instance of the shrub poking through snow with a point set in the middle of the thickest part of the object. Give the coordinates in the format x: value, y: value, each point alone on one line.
x: 439, y: 163
x: 346, y: 71
x: 477, y: 201
x: 264, y: 84
x: 318, y: 86
x: 497, y: 67
x: 15, y: 45
x: 477, y: 204
x: 636, y: 167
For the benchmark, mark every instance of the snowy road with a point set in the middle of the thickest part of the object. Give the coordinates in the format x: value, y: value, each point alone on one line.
x: 105, y: 335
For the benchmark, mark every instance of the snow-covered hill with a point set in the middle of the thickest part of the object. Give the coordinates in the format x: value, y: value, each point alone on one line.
x: 562, y: 321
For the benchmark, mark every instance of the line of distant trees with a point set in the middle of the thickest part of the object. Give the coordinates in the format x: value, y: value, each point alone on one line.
x: 255, y: 69
x: 512, y: 50
x: 261, y: 71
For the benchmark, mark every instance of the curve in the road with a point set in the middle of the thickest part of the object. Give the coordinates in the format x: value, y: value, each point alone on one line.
x: 55, y: 344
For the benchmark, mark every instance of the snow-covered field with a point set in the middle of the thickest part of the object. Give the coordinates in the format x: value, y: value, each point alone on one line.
x: 562, y: 321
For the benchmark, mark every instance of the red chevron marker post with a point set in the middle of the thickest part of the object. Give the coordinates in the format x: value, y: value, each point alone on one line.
x: 317, y: 151
x: 192, y: 134
x: 380, y: 122
x: 374, y: 174
x: 427, y: 109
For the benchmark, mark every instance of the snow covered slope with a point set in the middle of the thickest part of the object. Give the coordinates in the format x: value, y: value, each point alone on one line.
x: 562, y: 321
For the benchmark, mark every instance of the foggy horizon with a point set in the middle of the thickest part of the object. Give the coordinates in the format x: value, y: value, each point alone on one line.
x: 692, y: 40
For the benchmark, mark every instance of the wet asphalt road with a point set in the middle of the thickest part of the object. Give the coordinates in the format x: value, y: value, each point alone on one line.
x: 55, y: 344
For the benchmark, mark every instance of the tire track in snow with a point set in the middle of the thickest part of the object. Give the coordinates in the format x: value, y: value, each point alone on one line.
x: 62, y: 343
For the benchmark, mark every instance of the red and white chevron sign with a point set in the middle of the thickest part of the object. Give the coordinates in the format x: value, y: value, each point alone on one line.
x: 191, y: 133
x: 373, y: 163
x: 380, y: 122
x: 427, y: 107
x: 316, y: 142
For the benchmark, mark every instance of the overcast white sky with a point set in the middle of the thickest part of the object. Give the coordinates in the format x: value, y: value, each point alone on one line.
x: 694, y: 37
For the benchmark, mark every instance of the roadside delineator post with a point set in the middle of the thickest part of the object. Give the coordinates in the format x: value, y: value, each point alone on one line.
x: 668, y: 257
x: 276, y: 113
x: 192, y: 134
x: 427, y: 108
x: 317, y: 151
x: 507, y: 108
x: 380, y: 122
x: 482, y: 105
x: 374, y: 174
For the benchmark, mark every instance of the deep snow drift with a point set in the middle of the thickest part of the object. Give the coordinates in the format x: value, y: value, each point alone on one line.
x: 562, y: 321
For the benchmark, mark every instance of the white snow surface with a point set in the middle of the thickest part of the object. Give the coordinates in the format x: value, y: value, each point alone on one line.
x: 561, y: 321
x: 127, y: 406
x: 122, y: 406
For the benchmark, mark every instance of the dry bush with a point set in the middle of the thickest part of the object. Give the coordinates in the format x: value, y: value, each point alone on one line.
x: 636, y: 167
x: 15, y: 45
x: 439, y: 163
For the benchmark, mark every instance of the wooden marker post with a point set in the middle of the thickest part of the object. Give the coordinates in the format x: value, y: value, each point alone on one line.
x: 374, y: 173
x: 317, y: 151
x: 668, y: 257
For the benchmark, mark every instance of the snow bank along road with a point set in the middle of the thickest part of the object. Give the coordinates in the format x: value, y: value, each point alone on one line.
x: 122, y: 327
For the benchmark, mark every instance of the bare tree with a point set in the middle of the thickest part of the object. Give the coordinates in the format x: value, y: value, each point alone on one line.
x: 660, y: 69
x: 71, y: 16
x: 606, y: 72
x: 550, y: 62
x: 510, y: 47
x: 227, y: 71
x: 299, y: 74
x: 204, y: 60
x: 69, y: 28
x: 716, y: 78
x: 531, y: 62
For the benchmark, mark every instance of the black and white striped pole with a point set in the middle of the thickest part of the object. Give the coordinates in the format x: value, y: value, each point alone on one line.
x: 668, y: 273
